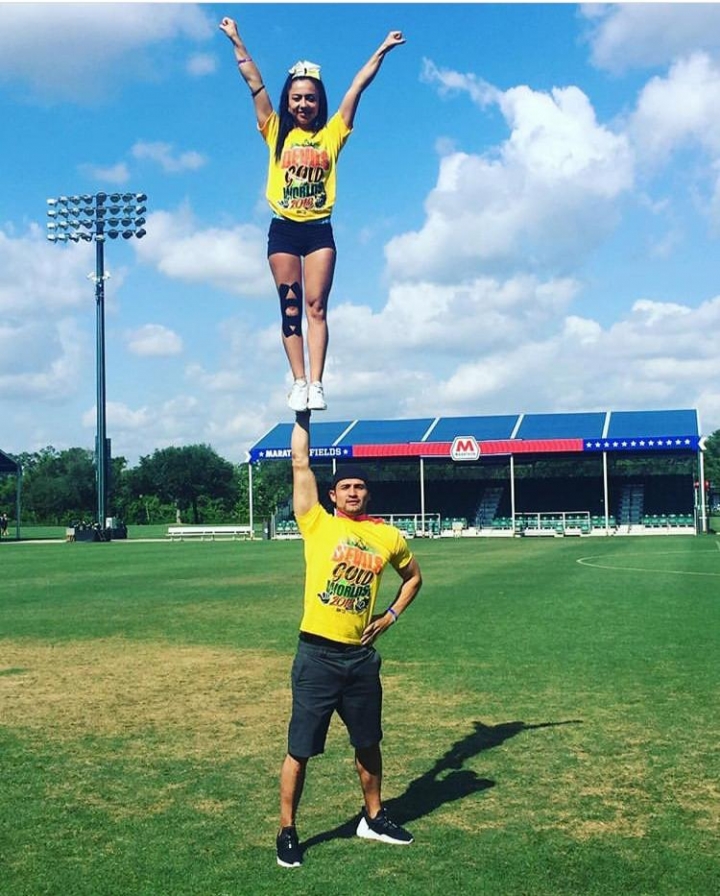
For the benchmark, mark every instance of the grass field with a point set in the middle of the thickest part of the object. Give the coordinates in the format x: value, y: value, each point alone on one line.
x: 551, y: 722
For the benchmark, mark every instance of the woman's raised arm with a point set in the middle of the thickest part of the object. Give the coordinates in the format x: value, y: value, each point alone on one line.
x: 365, y: 76
x: 249, y: 71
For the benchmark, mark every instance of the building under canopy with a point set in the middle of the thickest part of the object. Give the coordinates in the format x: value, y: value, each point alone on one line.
x: 509, y: 439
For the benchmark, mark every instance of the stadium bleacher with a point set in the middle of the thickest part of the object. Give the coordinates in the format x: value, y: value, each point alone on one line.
x: 480, y: 491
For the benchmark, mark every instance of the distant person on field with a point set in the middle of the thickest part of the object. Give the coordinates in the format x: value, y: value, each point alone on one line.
x: 3, y: 525
x: 336, y: 667
x: 304, y: 145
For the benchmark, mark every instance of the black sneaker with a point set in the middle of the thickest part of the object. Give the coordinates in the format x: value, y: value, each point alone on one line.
x: 381, y: 828
x: 288, y: 848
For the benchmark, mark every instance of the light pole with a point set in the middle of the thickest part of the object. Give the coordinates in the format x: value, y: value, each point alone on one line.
x: 97, y: 217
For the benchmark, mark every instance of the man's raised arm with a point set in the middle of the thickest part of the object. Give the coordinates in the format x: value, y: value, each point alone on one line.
x: 305, y: 493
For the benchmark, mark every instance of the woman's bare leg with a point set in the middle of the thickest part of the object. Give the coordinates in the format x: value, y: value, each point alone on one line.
x: 287, y: 273
x: 318, y: 278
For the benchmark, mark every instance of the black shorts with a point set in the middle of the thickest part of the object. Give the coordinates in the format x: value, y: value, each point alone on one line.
x: 329, y: 679
x: 299, y: 237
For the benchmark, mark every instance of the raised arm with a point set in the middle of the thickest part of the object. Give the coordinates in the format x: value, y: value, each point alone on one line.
x: 249, y: 71
x: 364, y: 77
x: 305, y: 492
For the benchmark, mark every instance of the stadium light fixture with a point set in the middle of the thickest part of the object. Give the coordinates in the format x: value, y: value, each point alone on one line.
x: 86, y: 218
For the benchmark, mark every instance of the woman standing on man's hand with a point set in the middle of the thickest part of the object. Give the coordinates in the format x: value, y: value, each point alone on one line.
x: 304, y: 146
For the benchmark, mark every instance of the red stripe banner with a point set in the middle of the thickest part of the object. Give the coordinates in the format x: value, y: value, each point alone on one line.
x: 443, y: 449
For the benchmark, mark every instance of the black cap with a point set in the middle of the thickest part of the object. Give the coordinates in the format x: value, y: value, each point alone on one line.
x: 349, y: 471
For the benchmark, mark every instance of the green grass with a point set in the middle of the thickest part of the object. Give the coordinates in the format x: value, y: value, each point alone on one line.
x: 551, y: 722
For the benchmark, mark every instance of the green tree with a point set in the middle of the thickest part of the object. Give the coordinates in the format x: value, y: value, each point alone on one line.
x: 8, y: 494
x: 187, y: 477
x: 712, y: 459
x: 59, y: 486
x: 272, y: 489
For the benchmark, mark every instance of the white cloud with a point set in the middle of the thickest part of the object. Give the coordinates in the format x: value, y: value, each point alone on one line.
x: 557, y: 139
x: 362, y: 393
x: 163, y: 154
x: 256, y: 346
x: 231, y: 259
x: 548, y: 195
x: 73, y: 51
x: 114, y: 174
x: 714, y: 207
x: 154, y: 340
x: 231, y: 381
x: 630, y: 35
x: 231, y: 429
x: 677, y: 113
x: 173, y: 420
x: 659, y: 355
x: 708, y: 400
x: 457, y: 320
x: 229, y: 426
x: 449, y: 81
x: 43, y: 360
x: 171, y: 163
x: 585, y: 332
x: 667, y: 244
x: 48, y: 318
x: 472, y: 384
x: 201, y: 64
x: 120, y: 417
x: 679, y: 108
x: 39, y: 278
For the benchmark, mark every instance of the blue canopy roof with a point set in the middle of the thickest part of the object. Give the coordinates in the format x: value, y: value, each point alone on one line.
x: 443, y: 437
x: 8, y: 464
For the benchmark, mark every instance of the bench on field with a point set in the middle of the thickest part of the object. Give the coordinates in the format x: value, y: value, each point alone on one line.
x: 211, y: 532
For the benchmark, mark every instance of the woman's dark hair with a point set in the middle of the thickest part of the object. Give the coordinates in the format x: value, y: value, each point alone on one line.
x: 287, y: 122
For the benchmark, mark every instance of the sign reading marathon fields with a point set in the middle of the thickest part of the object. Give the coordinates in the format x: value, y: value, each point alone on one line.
x: 285, y: 453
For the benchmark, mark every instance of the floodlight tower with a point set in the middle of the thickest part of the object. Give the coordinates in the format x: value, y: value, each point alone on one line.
x: 95, y: 218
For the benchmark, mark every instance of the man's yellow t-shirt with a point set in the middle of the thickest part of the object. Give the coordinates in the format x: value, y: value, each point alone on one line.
x: 302, y: 185
x: 344, y: 560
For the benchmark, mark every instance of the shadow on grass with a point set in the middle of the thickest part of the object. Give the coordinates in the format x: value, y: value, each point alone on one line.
x: 447, y: 780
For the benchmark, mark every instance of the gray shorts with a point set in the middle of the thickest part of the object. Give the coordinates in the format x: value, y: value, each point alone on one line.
x: 326, y: 679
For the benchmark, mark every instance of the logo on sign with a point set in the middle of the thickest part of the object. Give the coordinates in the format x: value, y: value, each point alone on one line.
x: 465, y: 448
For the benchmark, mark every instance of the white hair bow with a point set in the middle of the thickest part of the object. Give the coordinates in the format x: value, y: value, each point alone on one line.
x: 305, y: 69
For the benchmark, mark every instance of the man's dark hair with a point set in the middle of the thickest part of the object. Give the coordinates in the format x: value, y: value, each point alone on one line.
x: 349, y: 471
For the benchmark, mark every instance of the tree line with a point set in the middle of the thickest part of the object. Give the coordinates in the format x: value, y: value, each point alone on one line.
x: 59, y: 487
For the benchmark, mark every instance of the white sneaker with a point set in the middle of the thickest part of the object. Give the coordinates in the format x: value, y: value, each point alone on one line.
x: 316, y: 397
x: 383, y: 829
x: 298, y: 397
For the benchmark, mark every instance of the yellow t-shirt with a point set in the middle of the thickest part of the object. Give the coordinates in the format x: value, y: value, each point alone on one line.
x: 344, y: 561
x: 302, y: 186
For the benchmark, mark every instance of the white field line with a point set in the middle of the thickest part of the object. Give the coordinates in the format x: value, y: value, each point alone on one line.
x: 594, y: 563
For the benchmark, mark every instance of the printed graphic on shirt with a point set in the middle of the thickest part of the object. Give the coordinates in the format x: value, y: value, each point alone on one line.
x: 304, y: 168
x: 355, y: 567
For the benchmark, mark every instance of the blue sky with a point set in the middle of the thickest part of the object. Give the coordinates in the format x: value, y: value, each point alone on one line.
x: 527, y: 221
